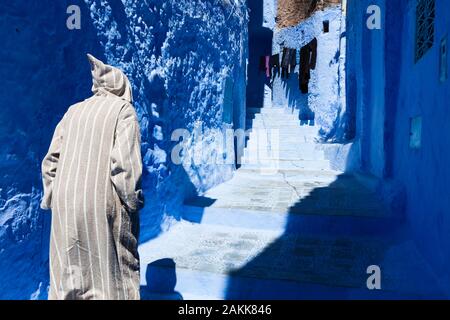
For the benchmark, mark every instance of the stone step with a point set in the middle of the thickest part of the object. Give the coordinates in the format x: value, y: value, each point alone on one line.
x: 276, y: 124
x: 318, y: 163
x: 288, y: 171
x: 284, y: 154
x: 260, y: 186
x: 272, y: 111
x: 271, y: 134
x: 281, y: 141
x: 300, y: 201
x: 202, y: 285
x: 293, y: 176
x: 284, y: 146
x: 221, y: 262
x: 287, y: 127
x: 370, y: 222
x: 287, y: 165
x: 288, y: 118
x: 286, y: 131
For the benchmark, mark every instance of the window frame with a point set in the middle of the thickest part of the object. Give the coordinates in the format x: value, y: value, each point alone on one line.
x: 425, y: 28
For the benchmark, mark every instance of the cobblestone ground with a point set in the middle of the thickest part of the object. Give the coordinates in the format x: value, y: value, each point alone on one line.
x: 235, y: 239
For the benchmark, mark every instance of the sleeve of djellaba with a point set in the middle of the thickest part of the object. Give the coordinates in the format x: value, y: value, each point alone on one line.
x: 49, y: 166
x: 126, y: 160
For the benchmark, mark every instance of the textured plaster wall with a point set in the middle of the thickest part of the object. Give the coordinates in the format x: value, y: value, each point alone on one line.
x: 414, y: 181
x: 177, y: 54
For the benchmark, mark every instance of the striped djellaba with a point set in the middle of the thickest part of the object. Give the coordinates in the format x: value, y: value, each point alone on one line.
x: 91, y: 177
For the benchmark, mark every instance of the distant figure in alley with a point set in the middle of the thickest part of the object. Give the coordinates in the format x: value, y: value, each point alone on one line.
x: 92, y: 176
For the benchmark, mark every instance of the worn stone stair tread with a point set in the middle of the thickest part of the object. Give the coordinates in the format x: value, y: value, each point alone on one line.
x: 298, y: 165
x: 372, y: 210
x: 287, y: 170
x: 219, y: 259
x: 300, y: 228
x: 283, y: 161
x: 270, y: 111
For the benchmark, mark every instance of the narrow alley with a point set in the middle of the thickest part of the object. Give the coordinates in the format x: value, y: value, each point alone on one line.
x: 286, y: 226
x: 292, y: 222
x: 267, y: 149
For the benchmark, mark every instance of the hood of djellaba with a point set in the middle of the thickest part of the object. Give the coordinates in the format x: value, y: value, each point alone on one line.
x: 109, y: 80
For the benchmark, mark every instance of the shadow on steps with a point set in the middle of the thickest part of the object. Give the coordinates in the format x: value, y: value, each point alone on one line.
x: 161, y: 281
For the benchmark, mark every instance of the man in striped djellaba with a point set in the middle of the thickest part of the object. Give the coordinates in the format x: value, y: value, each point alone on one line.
x: 91, y: 177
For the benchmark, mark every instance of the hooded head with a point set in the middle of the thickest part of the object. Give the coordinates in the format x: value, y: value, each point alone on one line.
x: 109, y: 80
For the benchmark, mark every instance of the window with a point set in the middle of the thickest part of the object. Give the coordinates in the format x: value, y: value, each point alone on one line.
x: 425, y: 14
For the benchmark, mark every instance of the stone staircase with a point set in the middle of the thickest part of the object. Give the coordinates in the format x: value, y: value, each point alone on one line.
x: 277, y: 141
x: 285, y: 226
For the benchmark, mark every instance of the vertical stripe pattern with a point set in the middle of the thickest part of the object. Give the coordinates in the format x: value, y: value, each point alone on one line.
x: 91, y: 178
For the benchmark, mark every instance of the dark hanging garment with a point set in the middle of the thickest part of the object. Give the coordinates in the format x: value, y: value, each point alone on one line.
x: 285, y: 63
x: 264, y: 65
x: 275, y: 64
x: 267, y: 64
x: 326, y: 26
x: 313, y: 50
x: 308, y: 60
x: 293, y: 59
x: 304, y: 73
x: 275, y: 61
x: 285, y: 59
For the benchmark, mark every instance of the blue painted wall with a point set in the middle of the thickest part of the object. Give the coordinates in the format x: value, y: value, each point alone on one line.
x: 365, y: 83
x: 177, y: 54
x: 260, y: 30
x: 44, y: 69
x: 415, y: 182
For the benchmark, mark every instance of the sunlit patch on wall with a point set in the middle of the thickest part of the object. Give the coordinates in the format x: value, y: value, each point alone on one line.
x: 443, y: 60
x: 415, y: 139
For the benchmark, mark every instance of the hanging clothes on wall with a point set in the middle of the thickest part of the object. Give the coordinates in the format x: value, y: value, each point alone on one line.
x: 308, y: 60
x: 289, y: 62
x: 268, y: 71
x: 275, y: 64
x: 285, y: 63
x: 293, y: 59
x: 264, y: 65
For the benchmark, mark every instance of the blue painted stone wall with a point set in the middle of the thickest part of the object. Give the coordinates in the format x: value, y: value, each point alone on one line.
x: 262, y: 15
x: 415, y: 182
x: 366, y: 86
x: 177, y: 55
x: 43, y: 67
